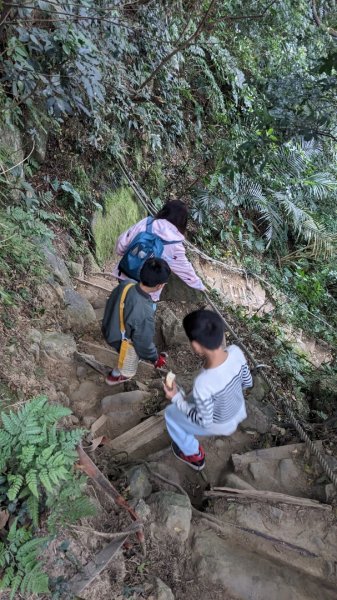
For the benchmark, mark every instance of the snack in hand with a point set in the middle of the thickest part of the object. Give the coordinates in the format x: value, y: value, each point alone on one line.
x: 169, y: 380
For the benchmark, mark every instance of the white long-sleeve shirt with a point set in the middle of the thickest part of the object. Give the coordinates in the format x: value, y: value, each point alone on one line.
x: 217, y: 402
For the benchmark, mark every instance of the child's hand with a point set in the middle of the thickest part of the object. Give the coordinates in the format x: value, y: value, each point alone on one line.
x: 170, y: 392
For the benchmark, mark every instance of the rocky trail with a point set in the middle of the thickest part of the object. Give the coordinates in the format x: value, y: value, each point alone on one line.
x: 200, y: 539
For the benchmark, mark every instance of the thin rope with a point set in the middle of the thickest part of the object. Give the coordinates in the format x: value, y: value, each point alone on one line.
x: 150, y: 207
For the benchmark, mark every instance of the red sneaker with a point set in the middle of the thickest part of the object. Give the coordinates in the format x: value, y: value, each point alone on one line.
x: 114, y: 379
x: 196, y: 461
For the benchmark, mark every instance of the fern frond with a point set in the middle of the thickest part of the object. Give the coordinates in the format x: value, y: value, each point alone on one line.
x: 44, y: 478
x: 10, y: 423
x: 5, y: 455
x: 5, y: 439
x: 15, y: 585
x: 70, y: 439
x: 31, y: 547
x: 32, y: 482
x: 7, y: 578
x: 16, y: 482
x: 27, y: 455
x: 33, y: 510
x: 47, y: 452
x: 56, y: 412
x: 37, y: 404
x: 35, y: 582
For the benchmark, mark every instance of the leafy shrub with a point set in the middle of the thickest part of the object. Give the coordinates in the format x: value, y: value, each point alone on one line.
x: 36, y: 462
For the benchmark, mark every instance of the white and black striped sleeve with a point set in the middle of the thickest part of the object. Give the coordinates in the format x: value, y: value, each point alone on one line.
x: 246, y: 377
x: 202, y: 411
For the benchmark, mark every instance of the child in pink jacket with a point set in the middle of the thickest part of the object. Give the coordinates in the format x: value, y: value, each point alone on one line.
x: 170, y: 225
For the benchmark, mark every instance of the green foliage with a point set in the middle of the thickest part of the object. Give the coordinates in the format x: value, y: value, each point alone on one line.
x: 20, y: 259
x: 120, y: 212
x: 37, y: 460
x: 20, y: 565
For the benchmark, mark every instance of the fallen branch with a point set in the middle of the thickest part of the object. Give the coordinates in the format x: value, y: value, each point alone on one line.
x: 264, y: 496
x: 110, y: 536
x: 89, y: 467
x: 95, y: 285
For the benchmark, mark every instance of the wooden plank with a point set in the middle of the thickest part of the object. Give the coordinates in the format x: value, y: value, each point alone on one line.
x: 101, y: 560
x: 240, y: 461
x: 140, y: 435
x: 264, y: 496
x: 101, y: 368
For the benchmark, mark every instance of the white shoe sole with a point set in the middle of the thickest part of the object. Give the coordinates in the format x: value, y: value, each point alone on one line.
x: 194, y: 467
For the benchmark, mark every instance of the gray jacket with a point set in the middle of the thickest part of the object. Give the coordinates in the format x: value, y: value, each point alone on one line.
x: 138, y: 318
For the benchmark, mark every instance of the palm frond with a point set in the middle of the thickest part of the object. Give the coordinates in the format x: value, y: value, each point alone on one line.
x: 205, y: 204
x: 251, y: 196
x: 319, y: 185
x: 321, y: 241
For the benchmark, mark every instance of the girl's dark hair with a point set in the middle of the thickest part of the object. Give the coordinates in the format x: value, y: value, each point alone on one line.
x: 176, y: 213
x: 204, y: 327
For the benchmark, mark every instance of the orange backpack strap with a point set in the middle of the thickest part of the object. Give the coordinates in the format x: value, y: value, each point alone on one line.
x: 121, y: 308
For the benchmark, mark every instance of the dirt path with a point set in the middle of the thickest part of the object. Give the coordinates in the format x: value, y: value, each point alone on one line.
x: 235, y: 564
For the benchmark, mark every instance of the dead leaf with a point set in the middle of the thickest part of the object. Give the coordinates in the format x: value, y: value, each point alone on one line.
x: 4, y: 516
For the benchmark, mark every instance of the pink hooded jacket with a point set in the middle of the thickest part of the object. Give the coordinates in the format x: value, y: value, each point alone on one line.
x: 174, y: 254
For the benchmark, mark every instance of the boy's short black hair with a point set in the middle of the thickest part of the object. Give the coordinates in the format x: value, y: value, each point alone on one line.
x: 154, y: 271
x: 205, y: 327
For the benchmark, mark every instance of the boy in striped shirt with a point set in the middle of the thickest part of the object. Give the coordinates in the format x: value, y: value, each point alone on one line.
x: 216, y: 404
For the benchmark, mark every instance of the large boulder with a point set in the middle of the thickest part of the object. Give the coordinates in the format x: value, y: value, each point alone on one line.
x: 56, y: 266
x: 161, y: 591
x: 124, y: 410
x: 178, y: 291
x: 171, y: 328
x: 260, y: 417
x: 57, y: 345
x: 245, y: 574
x: 80, y: 313
x: 75, y: 268
x: 139, y: 484
x: 173, y: 515
x: 260, y: 388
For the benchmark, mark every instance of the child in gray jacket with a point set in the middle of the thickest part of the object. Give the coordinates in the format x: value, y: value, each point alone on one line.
x: 138, y: 315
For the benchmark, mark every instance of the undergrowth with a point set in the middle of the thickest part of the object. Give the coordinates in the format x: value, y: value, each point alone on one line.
x: 120, y: 212
x: 21, y: 262
x: 38, y: 486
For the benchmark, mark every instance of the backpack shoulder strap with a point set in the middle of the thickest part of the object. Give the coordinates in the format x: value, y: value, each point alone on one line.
x: 121, y: 308
x: 174, y: 242
x: 149, y: 224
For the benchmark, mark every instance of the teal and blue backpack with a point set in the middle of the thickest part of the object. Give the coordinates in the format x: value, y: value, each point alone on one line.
x: 145, y: 245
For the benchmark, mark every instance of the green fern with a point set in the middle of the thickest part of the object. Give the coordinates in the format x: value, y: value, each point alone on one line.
x: 32, y: 482
x: 33, y: 510
x: 38, y: 459
x: 16, y: 482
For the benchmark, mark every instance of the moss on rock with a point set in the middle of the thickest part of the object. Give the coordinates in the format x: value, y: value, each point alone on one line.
x: 120, y: 212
